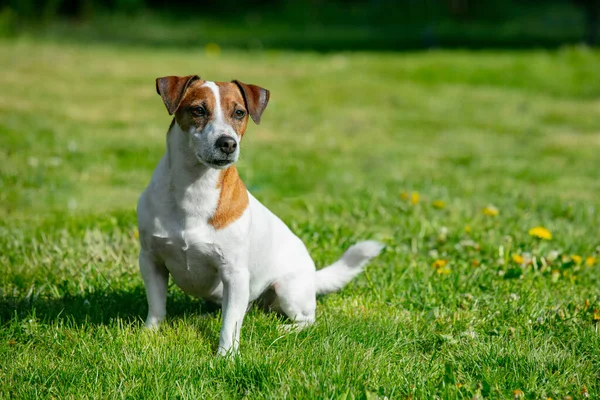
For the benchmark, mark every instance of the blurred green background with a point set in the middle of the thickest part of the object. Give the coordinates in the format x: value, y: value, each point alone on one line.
x: 310, y: 25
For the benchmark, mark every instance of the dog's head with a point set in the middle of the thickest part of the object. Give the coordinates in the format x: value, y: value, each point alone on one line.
x: 214, y: 115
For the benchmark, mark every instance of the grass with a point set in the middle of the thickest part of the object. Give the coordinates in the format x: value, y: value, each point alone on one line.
x: 345, y: 142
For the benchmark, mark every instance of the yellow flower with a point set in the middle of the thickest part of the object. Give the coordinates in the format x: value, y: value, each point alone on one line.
x: 517, y: 258
x: 590, y: 261
x: 212, y: 49
x: 518, y: 394
x: 468, y: 229
x: 596, y: 316
x: 437, y: 264
x: 414, y: 197
x: 404, y: 196
x: 443, y: 271
x: 490, y: 211
x: 576, y: 259
x: 136, y: 234
x: 540, y: 232
x: 439, y: 204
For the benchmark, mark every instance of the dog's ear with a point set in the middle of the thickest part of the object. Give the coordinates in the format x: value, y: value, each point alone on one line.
x: 172, y: 89
x: 256, y: 99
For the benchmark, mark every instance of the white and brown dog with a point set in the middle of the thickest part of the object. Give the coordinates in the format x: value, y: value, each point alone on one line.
x: 198, y: 223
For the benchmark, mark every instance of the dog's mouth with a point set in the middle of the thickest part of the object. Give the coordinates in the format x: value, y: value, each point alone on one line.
x: 215, y: 162
x: 221, y: 163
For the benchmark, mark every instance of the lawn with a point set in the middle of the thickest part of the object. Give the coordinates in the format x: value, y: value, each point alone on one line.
x: 449, y: 157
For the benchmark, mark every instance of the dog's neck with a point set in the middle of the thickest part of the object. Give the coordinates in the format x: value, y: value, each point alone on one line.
x: 200, y: 192
x: 192, y: 184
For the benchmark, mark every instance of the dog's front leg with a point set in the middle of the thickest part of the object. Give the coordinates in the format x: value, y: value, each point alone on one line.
x: 236, y: 293
x: 156, y: 278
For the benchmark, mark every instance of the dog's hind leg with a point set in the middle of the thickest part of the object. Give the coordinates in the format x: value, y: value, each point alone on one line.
x: 297, y: 300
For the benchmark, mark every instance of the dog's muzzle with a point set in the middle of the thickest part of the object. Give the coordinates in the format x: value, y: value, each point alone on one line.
x: 226, y: 144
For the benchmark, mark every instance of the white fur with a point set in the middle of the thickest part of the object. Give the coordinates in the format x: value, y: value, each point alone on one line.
x: 233, y: 265
x: 218, y: 109
x: 203, y: 142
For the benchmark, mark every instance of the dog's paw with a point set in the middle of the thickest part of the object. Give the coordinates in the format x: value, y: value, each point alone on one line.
x: 152, y: 324
x: 227, y: 354
x: 291, y: 328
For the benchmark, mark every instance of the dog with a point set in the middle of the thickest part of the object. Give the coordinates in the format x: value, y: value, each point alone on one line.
x: 199, y: 224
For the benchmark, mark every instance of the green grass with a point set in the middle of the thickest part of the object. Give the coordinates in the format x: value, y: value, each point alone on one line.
x: 345, y: 135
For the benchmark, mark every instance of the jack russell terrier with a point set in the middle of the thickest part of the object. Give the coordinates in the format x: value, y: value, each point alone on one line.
x: 198, y: 223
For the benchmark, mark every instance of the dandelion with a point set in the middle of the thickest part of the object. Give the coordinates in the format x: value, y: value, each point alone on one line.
x: 590, y: 261
x: 518, y: 394
x: 490, y: 211
x: 438, y: 204
x: 596, y: 317
x: 468, y: 229
x: 414, y: 197
x: 576, y: 259
x: 518, y: 259
x: 443, y: 271
x: 212, y: 49
x: 540, y: 232
x: 441, y: 267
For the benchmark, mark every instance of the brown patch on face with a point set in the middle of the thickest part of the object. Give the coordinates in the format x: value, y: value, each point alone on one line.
x: 233, y: 199
x: 232, y: 103
x: 194, y: 97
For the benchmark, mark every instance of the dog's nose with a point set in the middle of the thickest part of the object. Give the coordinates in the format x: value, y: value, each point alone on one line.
x: 226, y: 144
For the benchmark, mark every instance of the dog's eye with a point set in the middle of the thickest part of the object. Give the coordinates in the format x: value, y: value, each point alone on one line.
x: 239, y: 114
x: 198, y: 111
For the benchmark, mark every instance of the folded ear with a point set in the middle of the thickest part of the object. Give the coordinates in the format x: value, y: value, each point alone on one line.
x: 172, y: 89
x: 256, y: 99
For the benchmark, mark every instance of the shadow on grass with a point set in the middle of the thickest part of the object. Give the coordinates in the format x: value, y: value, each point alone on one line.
x: 98, y: 308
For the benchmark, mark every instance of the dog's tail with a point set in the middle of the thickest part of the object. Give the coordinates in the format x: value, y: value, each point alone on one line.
x: 338, y: 274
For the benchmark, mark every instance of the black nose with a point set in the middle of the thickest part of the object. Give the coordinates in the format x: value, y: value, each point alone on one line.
x: 226, y: 144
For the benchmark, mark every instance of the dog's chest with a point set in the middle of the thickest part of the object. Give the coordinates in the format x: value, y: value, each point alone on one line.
x: 192, y: 254
x: 179, y: 233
